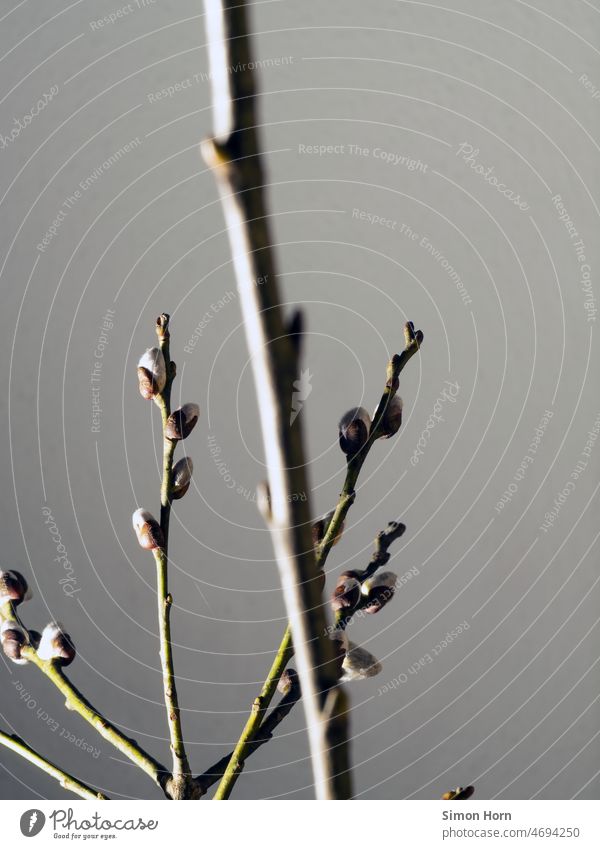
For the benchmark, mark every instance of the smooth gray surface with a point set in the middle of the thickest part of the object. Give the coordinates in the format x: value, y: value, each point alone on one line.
x: 511, y: 705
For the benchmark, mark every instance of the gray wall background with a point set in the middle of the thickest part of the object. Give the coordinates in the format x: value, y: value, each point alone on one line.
x: 512, y: 703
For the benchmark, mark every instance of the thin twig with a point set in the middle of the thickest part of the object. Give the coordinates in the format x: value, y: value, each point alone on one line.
x: 379, y: 557
x: 180, y: 784
x: 239, y: 756
x: 235, y: 159
x: 255, y: 721
x: 181, y: 768
x: 413, y: 342
x: 381, y: 554
x: 69, y: 782
x: 75, y: 701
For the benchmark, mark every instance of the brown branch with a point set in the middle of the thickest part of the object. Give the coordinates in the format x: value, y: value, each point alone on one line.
x: 234, y: 157
x: 412, y: 343
x: 381, y: 555
x: 379, y: 558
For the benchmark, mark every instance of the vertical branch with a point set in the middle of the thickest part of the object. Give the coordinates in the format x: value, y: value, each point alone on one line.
x: 181, y: 767
x: 234, y: 157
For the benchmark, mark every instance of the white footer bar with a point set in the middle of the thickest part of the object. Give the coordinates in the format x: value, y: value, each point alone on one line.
x: 291, y: 824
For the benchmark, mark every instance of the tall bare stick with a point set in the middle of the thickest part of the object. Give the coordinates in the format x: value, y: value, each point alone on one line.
x: 233, y: 154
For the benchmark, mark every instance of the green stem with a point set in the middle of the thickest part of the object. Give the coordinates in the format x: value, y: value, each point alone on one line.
x: 181, y: 767
x: 268, y: 726
x: 75, y: 701
x: 69, y: 782
x: 286, y: 650
x: 259, y: 708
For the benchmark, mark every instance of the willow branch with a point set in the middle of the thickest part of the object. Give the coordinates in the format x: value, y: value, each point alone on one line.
x: 385, y: 538
x: 379, y: 558
x: 75, y: 701
x: 239, y: 756
x: 229, y: 768
x: 381, y: 554
x: 181, y: 767
x: 412, y: 342
x: 234, y: 157
x: 236, y: 760
x: 69, y: 782
x: 394, y: 530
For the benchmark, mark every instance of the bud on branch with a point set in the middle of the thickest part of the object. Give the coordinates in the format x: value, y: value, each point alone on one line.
x: 152, y: 373
x: 354, y: 430
x: 182, y: 422
x: 13, y: 637
x: 56, y: 645
x: 181, y: 478
x: 147, y: 529
x: 13, y: 588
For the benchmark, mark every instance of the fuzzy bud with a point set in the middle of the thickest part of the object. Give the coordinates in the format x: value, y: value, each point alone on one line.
x: 346, y: 594
x: 182, y: 476
x: 392, y: 418
x: 288, y: 680
x: 56, y: 645
x: 152, y: 373
x: 378, y: 598
x: 379, y: 579
x: 378, y: 589
x: 319, y: 529
x: 459, y: 793
x: 13, y: 588
x: 13, y: 638
x: 181, y: 423
x: 354, y: 430
x: 359, y: 664
x: 147, y: 529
